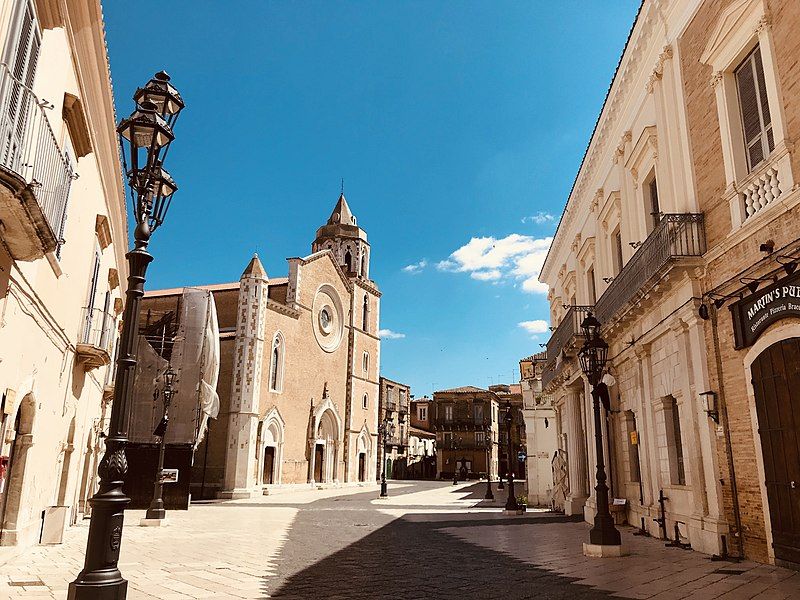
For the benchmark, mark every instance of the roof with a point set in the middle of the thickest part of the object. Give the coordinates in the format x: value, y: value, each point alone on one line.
x: 421, y: 433
x: 342, y: 215
x: 214, y: 287
x: 255, y: 269
x: 466, y: 389
x: 341, y: 224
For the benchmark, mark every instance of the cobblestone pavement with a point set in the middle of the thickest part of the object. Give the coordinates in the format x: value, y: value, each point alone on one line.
x: 428, y: 540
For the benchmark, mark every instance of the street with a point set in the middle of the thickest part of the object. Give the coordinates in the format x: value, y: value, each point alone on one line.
x: 428, y: 540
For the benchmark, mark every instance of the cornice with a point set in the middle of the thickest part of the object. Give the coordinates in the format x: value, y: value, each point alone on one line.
x: 619, y: 93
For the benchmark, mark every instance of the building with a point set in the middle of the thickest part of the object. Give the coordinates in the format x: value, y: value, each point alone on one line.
x: 465, y: 420
x: 421, y: 441
x: 675, y: 235
x: 393, y: 406
x: 62, y: 262
x: 299, y: 362
x: 511, y: 396
x: 542, y: 462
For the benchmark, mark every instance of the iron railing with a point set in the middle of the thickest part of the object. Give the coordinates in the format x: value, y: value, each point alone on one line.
x: 676, y: 236
x: 98, y: 329
x: 29, y: 148
x: 461, y: 423
x: 569, y: 328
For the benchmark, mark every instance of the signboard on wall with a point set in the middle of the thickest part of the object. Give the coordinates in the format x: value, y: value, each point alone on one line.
x: 754, y: 313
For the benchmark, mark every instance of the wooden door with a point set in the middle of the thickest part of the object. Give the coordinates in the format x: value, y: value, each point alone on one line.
x: 362, y: 467
x: 269, y: 465
x: 776, y: 383
x: 319, y: 458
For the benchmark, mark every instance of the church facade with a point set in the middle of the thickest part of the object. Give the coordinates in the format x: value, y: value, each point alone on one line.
x: 299, y: 370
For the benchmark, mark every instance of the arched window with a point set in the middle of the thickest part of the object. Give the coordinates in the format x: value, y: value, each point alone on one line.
x: 365, y: 402
x: 276, y: 364
x: 364, y: 264
x: 366, y: 362
x: 348, y: 261
x: 365, y: 321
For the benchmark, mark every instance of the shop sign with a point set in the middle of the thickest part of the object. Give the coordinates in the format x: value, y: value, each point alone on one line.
x: 754, y: 313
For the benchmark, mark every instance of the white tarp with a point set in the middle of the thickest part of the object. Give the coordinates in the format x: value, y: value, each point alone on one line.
x: 209, y: 370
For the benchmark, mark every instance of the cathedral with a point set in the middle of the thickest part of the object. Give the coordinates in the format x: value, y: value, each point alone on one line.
x: 299, y: 370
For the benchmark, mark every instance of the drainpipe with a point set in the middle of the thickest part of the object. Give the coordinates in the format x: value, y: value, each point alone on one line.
x: 723, y: 410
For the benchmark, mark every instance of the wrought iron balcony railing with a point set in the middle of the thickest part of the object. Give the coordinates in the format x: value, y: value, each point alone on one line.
x: 95, y: 346
x: 564, y: 336
x: 676, y: 236
x: 461, y: 423
x: 34, y: 168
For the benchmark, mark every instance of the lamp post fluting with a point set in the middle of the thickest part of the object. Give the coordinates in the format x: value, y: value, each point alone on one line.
x: 386, y: 428
x: 511, y: 501
x: 593, y: 357
x: 147, y: 135
x: 156, y: 508
x: 489, y: 443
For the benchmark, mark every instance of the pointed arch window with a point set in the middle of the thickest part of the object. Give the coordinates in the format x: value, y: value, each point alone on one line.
x: 276, y: 364
x: 365, y: 363
x: 365, y: 319
x: 348, y: 262
x: 365, y: 402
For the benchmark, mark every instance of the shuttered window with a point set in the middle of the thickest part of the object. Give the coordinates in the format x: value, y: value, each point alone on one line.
x: 754, y: 109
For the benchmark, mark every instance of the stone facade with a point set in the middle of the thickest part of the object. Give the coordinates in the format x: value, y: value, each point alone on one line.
x: 62, y: 262
x: 541, y: 465
x: 393, y: 407
x: 682, y: 206
x: 298, y: 383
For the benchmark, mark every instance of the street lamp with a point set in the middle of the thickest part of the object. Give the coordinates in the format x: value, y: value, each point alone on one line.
x: 147, y: 134
x: 489, y: 495
x: 385, y: 429
x: 593, y: 357
x: 156, y: 509
x: 455, y: 444
x: 511, y: 502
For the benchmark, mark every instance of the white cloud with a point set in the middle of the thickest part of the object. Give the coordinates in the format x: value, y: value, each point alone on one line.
x: 534, y: 327
x: 540, y: 218
x: 515, y: 257
x: 415, y: 268
x: 388, y: 334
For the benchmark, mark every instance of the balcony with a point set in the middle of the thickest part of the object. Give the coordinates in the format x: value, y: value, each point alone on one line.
x: 460, y: 424
x: 565, y: 338
x: 677, y: 239
x: 95, y: 347
x: 35, y: 175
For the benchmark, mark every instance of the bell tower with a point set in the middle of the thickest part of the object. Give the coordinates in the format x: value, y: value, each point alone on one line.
x: 348, y: 242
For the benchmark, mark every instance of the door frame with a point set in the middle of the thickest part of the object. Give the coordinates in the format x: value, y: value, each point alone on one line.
x: 774, y: 334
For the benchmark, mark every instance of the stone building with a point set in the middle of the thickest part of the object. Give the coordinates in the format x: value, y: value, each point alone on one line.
x: 511, y: 395
x: 299, y: 363
x: 421, y: 441
x: 465, y: 420
x: 542, y: 463
x: 62, y: 262
x: 393, y: 407
x: 683, y: 207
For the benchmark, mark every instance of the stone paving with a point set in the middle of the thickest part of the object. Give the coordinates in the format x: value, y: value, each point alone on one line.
x: 428, y: 540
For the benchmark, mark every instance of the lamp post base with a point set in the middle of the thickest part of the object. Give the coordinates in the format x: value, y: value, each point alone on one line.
x: 148, y: 522
x: 384, y: 490
x: 604, y: 551
x: 604, y: 533
x: 105, y: 591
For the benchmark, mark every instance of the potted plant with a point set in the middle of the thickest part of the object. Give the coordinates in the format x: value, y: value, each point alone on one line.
x: 522, y: 502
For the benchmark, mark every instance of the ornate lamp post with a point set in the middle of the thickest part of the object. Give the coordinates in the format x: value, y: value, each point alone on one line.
x: 385, y: 429
x: 593, y: 356
x: 511, y: 502
x: 489, y: 443
x: 147, y: 133
x: 156, y: 509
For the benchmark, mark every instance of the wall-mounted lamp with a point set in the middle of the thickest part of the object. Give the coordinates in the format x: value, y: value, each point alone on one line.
x: 702, y: 310
x: 767, y: 247
x: 710, y: 405
x: 551, y: 328
x: 752, y: 284
x: 608, y: 279
x: 788, y: 263
x: 634, y: 244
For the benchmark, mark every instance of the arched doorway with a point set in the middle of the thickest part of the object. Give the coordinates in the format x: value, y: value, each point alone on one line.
x: 776, y: 386
x: 325, y: 447
x: 363, y: 453
x: 11, y: 498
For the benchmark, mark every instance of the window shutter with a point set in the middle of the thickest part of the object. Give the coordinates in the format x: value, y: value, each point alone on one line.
x: 754, y: 107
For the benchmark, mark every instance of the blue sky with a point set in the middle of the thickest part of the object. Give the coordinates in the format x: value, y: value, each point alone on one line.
x: 458, y: 128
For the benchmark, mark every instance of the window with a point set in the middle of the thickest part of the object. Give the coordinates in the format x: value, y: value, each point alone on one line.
x: 591, y: 285
x: 276, y: 364
x: 478, y: 412
x: 365, y: 318
x: 348, y: 262
x: 422, y: 413
x: 616, y: 251
x: 365, y: 362
x: 448, y: 440
x: 754, y: 109
x: 480, y: 438
x: 21, y: 54
x: 652, y: 206
x: 448, y: 412
x: 365, y: 402
x: 672, y: 423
